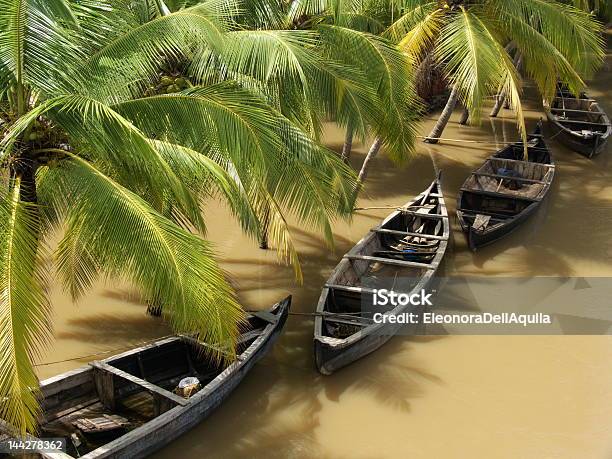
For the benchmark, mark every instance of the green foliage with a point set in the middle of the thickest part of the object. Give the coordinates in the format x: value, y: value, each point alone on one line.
x: 123, y: 175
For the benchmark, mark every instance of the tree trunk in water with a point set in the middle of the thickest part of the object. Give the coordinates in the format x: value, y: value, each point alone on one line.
x: 436, y: 132
x: 154, y: 308
x: 499, y: 101
x: 501, y: 98
x: 348, y: 144
x: 363, y: 173
x: 263, y: 235
x: 464, y: 117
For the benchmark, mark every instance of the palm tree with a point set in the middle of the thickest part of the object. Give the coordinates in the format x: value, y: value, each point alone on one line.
x: 90, y: 146
x: 468, y: 39
x: 383, y: 102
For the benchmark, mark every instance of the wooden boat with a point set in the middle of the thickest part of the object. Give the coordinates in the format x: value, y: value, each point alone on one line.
x: 125, y: 407
x: 409, y: 243
x: 502, y: 193
x: 578, y: 122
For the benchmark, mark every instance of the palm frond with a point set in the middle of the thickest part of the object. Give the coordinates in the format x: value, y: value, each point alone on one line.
x: 35, y: 48
x: 130, y: 240
x: 24, y: 311
x: 107, y: 136
x: 387, y: 70
x: 254, y: 143
x: 127, y: 64
x: 417, y: 29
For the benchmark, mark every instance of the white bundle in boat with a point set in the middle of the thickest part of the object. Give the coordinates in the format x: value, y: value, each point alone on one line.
x: 187, y: 386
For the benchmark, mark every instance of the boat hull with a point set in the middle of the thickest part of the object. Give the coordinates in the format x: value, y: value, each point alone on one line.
x: 468, y: 205
x: 174, y: 423
x: 588, y: 147
x: 478, y: 239
x: 169, y: 425
x: 331, y: 353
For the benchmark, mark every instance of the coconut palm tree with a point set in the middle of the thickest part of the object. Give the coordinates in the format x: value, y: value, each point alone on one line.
x: 469, y: 39
x: 378, y: 100
x: 91, y: 147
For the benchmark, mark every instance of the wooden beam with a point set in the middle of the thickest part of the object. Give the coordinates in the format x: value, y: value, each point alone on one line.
x: 505, y: 177
x: 555, y: 109
x: 389, y: 261
x: 349, y: 288
x: 408, y: 233
x: 551, y: 166
x: 492, y: 214
x: 266, y: 316
x: 357, y: 323
x: 417, y: 214
x: 584, y: 123
x: 499, y: 195
x: 105, y: 387
x: 110, y: 371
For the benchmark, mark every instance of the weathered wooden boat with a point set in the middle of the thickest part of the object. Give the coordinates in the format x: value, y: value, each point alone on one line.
x: 409, y: 244
x: 125, y: 407
x: 505, y: 191
x: 578, y: 122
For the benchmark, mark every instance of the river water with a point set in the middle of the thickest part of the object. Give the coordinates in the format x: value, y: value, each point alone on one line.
x: 424, y: 397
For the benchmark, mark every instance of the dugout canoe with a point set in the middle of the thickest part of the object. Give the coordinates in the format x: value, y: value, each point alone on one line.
x: 409, y: 244
x: 124, y: 406
x: 505, y: 191
x: 578, y: 122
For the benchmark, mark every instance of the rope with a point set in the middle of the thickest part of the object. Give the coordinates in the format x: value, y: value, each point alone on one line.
x: 142, y: 343
x: 466, y: 141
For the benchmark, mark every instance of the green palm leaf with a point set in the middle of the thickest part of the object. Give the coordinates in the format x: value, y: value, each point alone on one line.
x: 24, y: 311
x: 128, y: 239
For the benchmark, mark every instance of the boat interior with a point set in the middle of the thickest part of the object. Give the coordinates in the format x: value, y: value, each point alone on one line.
x: 504, y: 185
x: 394, y: 256
x: 98, y: 404
x: 579, y: 114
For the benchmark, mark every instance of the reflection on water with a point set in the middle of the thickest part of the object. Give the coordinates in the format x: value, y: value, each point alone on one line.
x: 445, y: 396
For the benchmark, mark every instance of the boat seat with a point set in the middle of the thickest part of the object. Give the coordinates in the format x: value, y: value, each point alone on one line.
x: 266, y: 316
x: 481, y: 222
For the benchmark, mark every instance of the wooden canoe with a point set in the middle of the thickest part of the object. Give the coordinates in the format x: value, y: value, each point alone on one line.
x: 505, y: 191
x: 578, y: 122
x: 137, y: 386
x: 344, y: 330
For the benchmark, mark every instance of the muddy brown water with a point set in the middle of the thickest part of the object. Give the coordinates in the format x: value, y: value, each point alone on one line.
x: 437, y: 396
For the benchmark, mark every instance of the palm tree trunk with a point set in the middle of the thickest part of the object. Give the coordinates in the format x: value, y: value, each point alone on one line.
x: 501, y: 99
x: 374, y: 149
x: 436, y: 132
x: 348, y: 144
x: 464, y: 116
x: 162, y: 8
x: 265, y: 224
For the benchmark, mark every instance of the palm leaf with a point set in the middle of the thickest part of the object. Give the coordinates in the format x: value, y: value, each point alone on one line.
x: 24, y: 311
x: 130, y: 240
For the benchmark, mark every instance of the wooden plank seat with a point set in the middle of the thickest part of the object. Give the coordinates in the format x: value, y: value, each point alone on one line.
x: 518, y: 179
x: 388, y: 261
x: 498, y: 194
x: 584, y: 123
x: 473, y: 213
x: 418, y: 214
x: 573, y: 110
x: 409, y: 233
x: 547, y: 166
x: 266, y: 316
x: 349, y: 288
x: 104, y: 375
